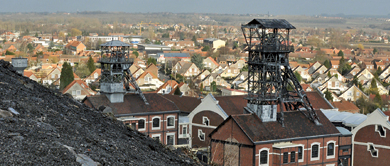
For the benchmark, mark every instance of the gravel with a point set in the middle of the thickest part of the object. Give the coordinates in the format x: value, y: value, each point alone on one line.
x: 39, y: 126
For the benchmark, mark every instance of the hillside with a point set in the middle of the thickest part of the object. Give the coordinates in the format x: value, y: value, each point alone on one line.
x: 48, y: 128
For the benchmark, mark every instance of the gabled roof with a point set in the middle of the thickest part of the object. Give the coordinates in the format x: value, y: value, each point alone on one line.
x: 171, y: 83
x: 185, y: 68
x: 297, y: 126
x: 28, y: 73
x: 145, y: 73
x: 212, y: 60
x: 82, y: 85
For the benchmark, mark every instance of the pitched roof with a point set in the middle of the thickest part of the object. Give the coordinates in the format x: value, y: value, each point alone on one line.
x: 28, y: 73
x: 82, y: 84
x: 212, y: 60
x: 172, y: 83
x: 317, y: 101
x: 346, y: 106
x: 145, y: 73
x: 296, y: 124
x: 232, y: 105
x: 184, y: 103
x: 133, y: 104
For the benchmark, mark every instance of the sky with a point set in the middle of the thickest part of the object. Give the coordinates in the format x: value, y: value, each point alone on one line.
x: 274, y: 7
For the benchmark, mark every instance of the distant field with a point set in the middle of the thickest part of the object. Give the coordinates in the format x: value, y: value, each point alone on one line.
x: 375, y: 45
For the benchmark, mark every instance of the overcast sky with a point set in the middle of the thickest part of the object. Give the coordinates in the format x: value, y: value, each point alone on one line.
x: 275, y: 7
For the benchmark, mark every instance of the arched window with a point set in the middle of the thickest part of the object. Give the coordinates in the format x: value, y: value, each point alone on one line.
x: 264, y: 157
x: 315, y: 151
x: 141, y: 124
x: 331, y: 149
x: 156, y: 123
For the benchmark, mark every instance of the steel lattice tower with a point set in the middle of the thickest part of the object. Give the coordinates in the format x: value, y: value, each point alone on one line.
x: 271, y: 81
x: 116, y: 77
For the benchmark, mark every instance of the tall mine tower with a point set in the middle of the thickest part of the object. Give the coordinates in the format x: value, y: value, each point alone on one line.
x: 272, y: 82
x: 116, y: 79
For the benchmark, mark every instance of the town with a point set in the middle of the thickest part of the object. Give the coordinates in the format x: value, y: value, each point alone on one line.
x: 193, y: 85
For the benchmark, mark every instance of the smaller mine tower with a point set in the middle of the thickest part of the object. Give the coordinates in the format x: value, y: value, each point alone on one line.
x: 116, y: 78
x: 271, y: 81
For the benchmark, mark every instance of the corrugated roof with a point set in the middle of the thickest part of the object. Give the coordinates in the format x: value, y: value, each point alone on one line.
x: 115, y: 43
x: 271, y: 23
x: 172, y: 55
x: 347, y: 118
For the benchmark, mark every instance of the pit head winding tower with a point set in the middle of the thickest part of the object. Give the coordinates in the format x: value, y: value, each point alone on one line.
x: 271, y: 81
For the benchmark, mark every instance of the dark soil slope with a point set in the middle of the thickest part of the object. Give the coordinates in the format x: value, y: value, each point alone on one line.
x: 41, y: 127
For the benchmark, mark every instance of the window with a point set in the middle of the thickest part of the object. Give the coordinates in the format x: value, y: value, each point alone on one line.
x: 292, y: 157
x: 146, y: 79
x: 170, y: 139
x: 206, y: 121
x: 78, y: 92
x: 171, y: 122
x: 73, y: 92
x: 52, y: 76
x: 345, y: 162
x: 184, y: 131
x: 380, y: 130
x: 264, y: 157
x: 300, y: 153
x: 331, y: 149
x: 337, y: 84
x: 156, y: 123
x: 285, y: 157
x: 314, y: 152
x: 141, y: 124
x: 373, y: 151
x: 96, y: 75
x: 156, y: 136
x: 201, y: 135
x: 357, y: 93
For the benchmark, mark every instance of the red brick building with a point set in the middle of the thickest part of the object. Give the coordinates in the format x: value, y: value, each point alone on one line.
x: 247, y: 140
x: 158, y: 120
x: 371, y: 142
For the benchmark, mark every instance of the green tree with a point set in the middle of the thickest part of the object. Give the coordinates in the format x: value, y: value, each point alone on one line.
x: 245, y: 68
x: 201, y: 87
x: 329, y: 75
x: 9, y: 53
x: 177, y: 91
x: 194, y: 40
x: 341, y: 53
x: 197, y: 60
x: 151, y: 60
x: 165, y: 35
x: 36, y: 34
x: 375, y: 51
x: 206, y: 48
x: 91, y: 65
x: 378, y: 71
x: 66, y: 75
x: 328, y: 95
x: 213, y: 86
x: 147, y: 41
x: 298, y: 76
x: 374, y: 87
x: 135, y: 52
x: 327, y: 64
